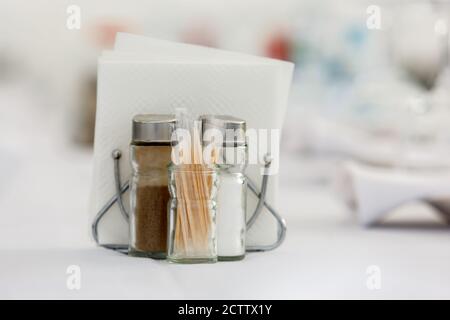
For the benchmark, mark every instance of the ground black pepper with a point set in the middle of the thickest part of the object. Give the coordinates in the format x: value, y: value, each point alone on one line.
x: 149, y: 187
x: 149, y: 198
x: 151, y: 218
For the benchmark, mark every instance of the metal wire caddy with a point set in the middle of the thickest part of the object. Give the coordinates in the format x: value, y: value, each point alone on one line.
x: 260, y: 194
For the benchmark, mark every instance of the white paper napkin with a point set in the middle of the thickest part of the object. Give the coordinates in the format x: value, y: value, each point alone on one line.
x: 375, y: 191
x: 144, y: 75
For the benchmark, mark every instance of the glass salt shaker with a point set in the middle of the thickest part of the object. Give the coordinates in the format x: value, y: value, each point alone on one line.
x: 150, y: 154
x: 231, y: 159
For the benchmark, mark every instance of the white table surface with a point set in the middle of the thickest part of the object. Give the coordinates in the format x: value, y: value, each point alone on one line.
x: 44, y: 229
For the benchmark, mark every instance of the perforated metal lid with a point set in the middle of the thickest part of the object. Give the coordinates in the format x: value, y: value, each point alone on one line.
x: 153, y: 127
x: 232, y: 128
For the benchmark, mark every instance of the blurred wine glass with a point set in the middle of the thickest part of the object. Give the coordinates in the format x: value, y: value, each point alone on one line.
x: 420, y: 48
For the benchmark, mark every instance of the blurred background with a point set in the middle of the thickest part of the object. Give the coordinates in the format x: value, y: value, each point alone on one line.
x: 371, y: 86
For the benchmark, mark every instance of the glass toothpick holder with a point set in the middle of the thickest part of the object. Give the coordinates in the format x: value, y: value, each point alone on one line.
x: 192, y: 213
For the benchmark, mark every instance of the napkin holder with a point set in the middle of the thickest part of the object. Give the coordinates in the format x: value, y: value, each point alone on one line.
x: 146, y: 75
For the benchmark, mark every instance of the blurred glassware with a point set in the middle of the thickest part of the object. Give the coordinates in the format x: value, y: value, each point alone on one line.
x: 376, y: 96
x: 415, y: 44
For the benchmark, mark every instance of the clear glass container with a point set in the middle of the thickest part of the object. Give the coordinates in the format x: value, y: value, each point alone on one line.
x: 150, y: 154
x: 192, y: 213
x: 230, y: 155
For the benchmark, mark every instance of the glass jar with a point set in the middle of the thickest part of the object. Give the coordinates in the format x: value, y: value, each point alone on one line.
x: 150, y: 154
x: 192, y: 213
x: 231, y: 159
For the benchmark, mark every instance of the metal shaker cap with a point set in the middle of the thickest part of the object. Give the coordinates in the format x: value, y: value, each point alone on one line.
x: 153, y: 127
x: 232, y: 128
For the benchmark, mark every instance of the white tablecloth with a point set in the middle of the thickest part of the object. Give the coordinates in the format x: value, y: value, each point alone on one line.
x: 44, y: 230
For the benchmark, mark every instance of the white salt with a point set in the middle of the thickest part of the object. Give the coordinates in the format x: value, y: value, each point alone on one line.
x: 230, y: 219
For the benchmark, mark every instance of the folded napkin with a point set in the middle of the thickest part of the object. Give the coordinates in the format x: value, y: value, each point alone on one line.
x: 143, y: 75
x: 374, y: 191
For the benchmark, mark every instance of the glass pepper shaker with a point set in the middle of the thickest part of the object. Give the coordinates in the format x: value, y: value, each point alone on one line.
x: 150, y: 154
x: 231, y: 158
